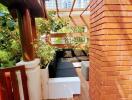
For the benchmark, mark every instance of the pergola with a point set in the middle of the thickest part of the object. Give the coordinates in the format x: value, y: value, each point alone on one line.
x: 81, y: 13
x: 79, y: 16
x: 110, y: 41
x: 26, y: 11
x: 68, y: 9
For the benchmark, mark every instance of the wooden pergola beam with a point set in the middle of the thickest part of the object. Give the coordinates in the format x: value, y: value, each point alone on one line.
x: 67, y: 9
x: 72, y: 7
x: 85, y: 9
x: 57, y: 8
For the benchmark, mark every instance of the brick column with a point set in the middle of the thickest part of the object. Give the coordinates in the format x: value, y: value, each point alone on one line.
x: 111, y: 50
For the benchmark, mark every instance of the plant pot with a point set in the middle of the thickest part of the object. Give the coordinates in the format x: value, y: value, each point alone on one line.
x: 44, y: 82
x: 33, y: 79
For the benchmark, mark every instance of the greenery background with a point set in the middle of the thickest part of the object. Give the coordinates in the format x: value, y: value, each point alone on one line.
x: 10, y: 46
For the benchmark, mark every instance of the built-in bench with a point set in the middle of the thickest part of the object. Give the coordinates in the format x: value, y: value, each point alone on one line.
x: 64, y: 81
x: 61, y: 79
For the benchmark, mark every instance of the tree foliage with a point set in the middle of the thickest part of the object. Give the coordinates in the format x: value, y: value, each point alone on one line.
x: 52, y: 24
x: 55, y: 24
x: 10, y: 51
x: 3, y: 9
x: 10, y: 48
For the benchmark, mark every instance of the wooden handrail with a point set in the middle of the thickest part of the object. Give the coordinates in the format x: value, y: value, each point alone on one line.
x: 9, y: 83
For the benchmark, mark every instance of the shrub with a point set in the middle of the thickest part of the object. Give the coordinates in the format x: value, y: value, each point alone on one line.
x: 5, y: 59
x: 45, y: 52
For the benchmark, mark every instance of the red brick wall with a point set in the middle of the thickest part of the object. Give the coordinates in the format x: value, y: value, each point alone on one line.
x: 111, y: 50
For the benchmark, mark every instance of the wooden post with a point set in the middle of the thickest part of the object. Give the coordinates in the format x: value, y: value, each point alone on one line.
x: 35, y: 37
x: 24, y: 19
x: 34, y: 28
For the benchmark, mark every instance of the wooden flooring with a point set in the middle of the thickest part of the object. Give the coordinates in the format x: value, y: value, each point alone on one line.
x: 84, y: 87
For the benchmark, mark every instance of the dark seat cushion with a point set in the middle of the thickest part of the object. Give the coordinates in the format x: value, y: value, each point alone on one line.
x: 52, y: 69
x: 65, y: 69
x: 64, y: 65
x: 68, y: 72
x: 59, y: 54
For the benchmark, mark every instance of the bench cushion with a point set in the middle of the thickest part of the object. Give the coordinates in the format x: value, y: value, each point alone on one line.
x: 64, y: 65
x: 66, y: 69
x: 68, y: 72
x: 79, y: 53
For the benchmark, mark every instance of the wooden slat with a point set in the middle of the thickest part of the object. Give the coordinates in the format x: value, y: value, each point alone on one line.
x: 3, y: 86
x: 24, y: 84
x: 72, y: 7
x: 85, y: 9
x: 12, y: 83
x: 57, y: 35
x: 67, y: 9
x: 15, y: 86
x: 9, y: 85
x: 61, y: 45
x: 60, y: 35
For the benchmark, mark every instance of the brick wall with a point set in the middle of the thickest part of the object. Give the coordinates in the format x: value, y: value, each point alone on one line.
x: 111, y: 50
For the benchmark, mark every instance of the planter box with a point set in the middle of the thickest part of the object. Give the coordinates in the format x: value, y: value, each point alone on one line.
x: 44, y: 82
x: 33, y: 79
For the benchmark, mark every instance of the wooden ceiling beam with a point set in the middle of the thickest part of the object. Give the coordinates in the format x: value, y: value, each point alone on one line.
x: 57, y: 8
x: 67, y: 9
x: 85, y: 9
x: 72, y: 7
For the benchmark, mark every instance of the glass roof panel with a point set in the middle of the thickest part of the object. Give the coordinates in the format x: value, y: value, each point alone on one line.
x: 63, y: 4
